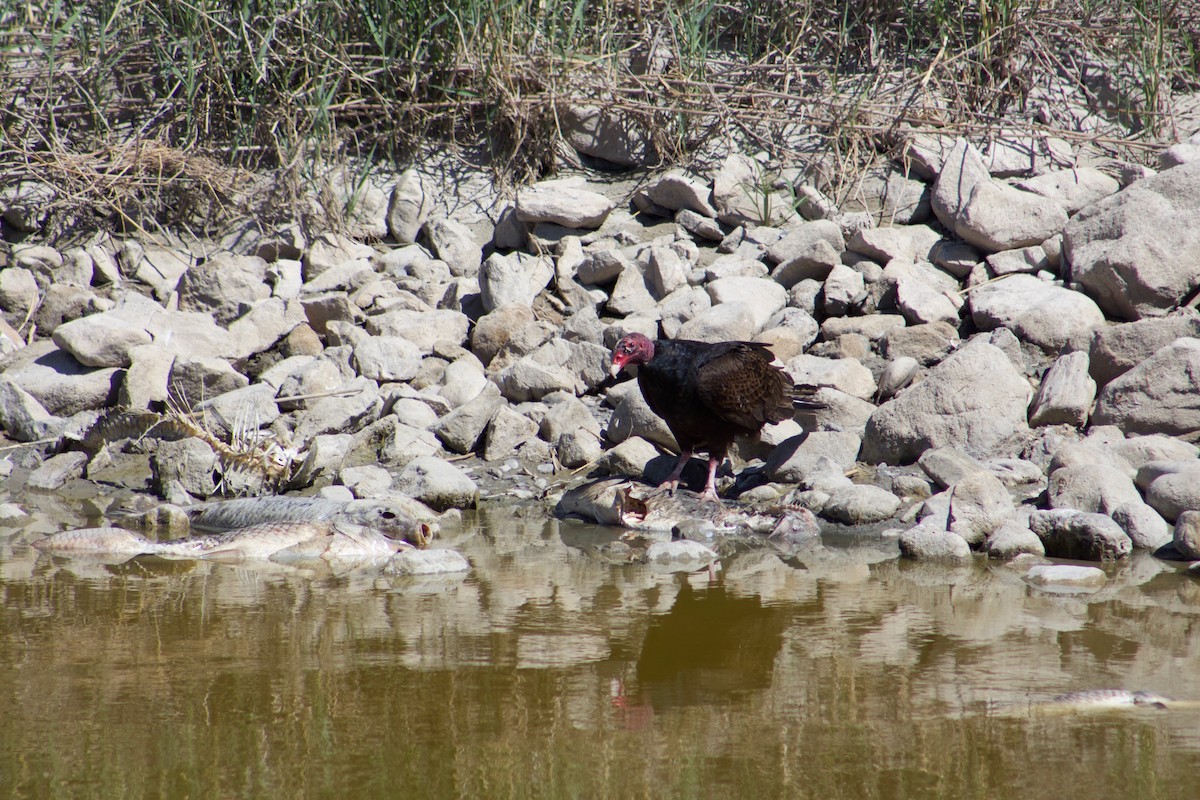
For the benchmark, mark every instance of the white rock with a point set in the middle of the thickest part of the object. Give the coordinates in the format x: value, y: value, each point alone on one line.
x: 1066, y: 393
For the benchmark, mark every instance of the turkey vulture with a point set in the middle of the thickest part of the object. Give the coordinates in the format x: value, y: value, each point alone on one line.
x: 708, y: 393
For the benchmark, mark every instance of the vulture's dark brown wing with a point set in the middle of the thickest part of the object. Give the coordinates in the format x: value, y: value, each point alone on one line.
x: 740, y: 385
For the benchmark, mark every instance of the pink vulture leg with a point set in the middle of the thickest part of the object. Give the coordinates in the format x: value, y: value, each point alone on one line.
x: 710, y: 487
x: 672, y: 481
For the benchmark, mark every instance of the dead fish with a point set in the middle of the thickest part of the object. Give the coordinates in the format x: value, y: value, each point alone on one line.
x: 386, y: 517
x: 630, y: 504
x: 286, y: 540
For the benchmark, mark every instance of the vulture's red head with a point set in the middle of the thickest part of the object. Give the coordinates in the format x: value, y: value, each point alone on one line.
x: 633, y: 349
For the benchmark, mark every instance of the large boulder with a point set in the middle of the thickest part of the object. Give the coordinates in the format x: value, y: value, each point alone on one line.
x: 1158, y: 395
x: 987, y: 213
x: 1037, y: 312
x: 949, y: 408
x: 1138, y: 252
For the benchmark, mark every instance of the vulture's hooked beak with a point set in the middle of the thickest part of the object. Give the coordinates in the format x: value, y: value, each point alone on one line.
x: 616, y: 367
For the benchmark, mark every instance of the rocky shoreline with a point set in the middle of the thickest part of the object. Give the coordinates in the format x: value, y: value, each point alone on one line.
x: 1007, y: 356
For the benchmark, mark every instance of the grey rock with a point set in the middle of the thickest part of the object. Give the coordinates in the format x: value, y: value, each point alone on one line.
x: 1144, y: 526
x: 811, y: 250
x: 1066, y: 393
x: 462, y: 381
x: 990, y: 215
x: 56, y: 471
x: 633, y: 418
x: 563, y: 202
x: 906, y: 242
x: 699, y: 225
x: 1075, y: 188
x: 630, y: 457
x: 875, y: 327
x: 507, y: 430
x: 979, y: 505
x: 956, y: 258
x: 264, y: 324
x: 1134, y: 252
x: 18, y: 290
x: 888, y: 196
x: 675, y: 191
x: 921, y: 303
x: 189, y: 462
x: 158, y: 267
x: 1137, y: 451
x: 947, y: 408
x: 1082, y: 536
x: 796, y: 458
x: 861, y: 504
x: 425, y: 329
x: 929, y: 543
x: 739, y: 194
x: 194, y: 379
x: 21, y: 415
x: 405, y: 442
x: 224, y: 285
x: 59, y: 383
x: 146, y: 380
x: 1025, y: 260
x: 369, y: 481
x: 724, y: 322
x: 408, y: 208
x: 1011, y: 540
x: 1174, y: 490
x: 100, y: 340
x: 322, y: 309
x: 681, y: 306
x: 329, y: 250
x: 456, y: 244
x: 437, y: 483
x: 630, y: 295
x: 1116, y: 349
x: 928, y: 343
x: 577, y: 448
x: 664, y: 270
x: 461, y: 429
x: 515, y: 279
x: 1186, y: 537
x: 762, y: 297
x: 1091, y: 487
x: 841, y: 287
x: 950, y: 464
x: 1156, y: 396
x: 359, y: 406
x: 493, y: 330
x: 1037, y: 312
x: 602, y: 266
x: 510, y: 232
x: 845, y: 374
x: 896, y: 376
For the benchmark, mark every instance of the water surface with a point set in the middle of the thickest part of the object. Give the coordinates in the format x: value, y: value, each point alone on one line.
x: 549, y: 671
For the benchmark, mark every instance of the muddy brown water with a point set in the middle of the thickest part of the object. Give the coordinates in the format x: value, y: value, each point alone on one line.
x: 550, y: 671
